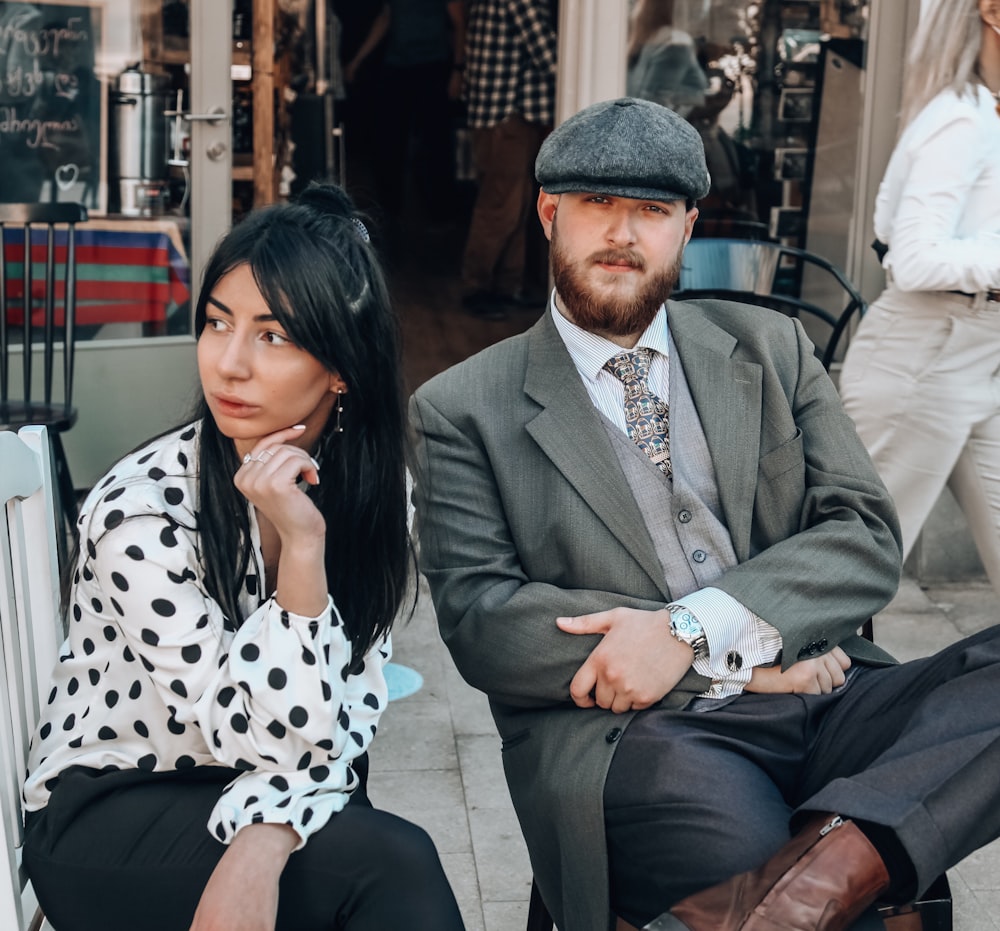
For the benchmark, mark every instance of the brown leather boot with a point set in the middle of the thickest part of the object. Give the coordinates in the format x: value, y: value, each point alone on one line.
x: 821, y: 880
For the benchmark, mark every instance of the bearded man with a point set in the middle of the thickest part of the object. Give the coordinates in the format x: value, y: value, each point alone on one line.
x: 651, y: 534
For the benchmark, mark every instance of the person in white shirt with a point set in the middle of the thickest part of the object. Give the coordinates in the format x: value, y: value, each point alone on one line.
x: 921, y: 378
x: 204, y: 745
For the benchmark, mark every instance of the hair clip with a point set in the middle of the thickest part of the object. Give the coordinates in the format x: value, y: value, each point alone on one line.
x: 362, y: 229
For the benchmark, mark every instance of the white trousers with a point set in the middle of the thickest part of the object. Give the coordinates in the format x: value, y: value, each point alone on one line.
x: 922, y: 385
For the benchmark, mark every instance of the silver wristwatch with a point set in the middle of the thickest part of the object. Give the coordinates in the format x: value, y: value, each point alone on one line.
x: 684, y: 626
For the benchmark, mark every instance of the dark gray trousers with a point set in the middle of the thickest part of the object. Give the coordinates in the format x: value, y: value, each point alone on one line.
x: 694, y: 797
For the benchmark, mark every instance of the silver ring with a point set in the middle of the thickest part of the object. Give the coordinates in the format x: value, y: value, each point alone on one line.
x: 260, y: 457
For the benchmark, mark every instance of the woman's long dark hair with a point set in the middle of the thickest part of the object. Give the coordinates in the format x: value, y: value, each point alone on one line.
x: 321, y: 279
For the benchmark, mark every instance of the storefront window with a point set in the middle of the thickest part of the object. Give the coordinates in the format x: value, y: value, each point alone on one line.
x: 750, y: 77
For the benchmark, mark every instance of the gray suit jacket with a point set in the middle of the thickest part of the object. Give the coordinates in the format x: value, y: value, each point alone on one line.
x: 524, y: 515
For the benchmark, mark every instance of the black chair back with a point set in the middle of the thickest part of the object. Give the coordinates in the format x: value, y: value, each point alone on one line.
x: 35, y: 316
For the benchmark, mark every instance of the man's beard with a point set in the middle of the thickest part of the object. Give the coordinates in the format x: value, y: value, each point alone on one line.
x: 611, y: 316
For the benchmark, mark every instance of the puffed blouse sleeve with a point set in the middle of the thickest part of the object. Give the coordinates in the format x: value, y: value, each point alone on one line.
x: 276, y: 698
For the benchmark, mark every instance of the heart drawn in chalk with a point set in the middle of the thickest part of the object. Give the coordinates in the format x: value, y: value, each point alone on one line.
x: 66, y: 176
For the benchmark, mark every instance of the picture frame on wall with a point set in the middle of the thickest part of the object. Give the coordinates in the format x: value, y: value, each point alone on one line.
x: 53, y: 104
x: 795, y: 105
x: 791, y: 164
x: 786, y: 223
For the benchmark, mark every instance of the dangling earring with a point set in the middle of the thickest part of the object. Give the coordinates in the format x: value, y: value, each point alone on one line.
x: 339, y: 409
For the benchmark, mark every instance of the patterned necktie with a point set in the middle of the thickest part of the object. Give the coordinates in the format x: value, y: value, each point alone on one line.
x: 646, y: 415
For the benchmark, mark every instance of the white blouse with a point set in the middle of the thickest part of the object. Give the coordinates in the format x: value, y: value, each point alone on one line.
x: 152, y: 676
x: 938, y: 208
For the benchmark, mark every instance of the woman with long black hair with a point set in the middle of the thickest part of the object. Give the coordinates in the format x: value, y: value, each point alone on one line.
x: 201, y: 760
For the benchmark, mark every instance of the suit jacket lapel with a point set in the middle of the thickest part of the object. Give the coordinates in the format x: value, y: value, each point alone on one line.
x: 571, y: 433
x: 730, y: 418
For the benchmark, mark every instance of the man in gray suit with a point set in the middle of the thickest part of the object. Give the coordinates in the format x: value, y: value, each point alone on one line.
x: 651, y: 534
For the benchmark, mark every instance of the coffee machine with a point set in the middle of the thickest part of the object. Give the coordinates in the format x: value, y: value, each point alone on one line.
x: 138, y: 151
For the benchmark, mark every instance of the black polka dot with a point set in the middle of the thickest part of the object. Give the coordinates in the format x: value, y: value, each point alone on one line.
x: 110, y: 633
x: 147, y: 762
x: 305, y: 761
x: 251, y: 800
x: 111, y: 698
x: 128, y: 655
x: 45, y: 730
x: 175, y: 726
x: 307, y: 816
x: 239, y: 723
x: 345, y: 671
x: 168, y: 537
x: 327, y: 690
x: 108, y: 481
x: 184, y: 762
x: 284, y: 803
x: 298, y: 716
x: 107, y: 733
x: 88, y: 646
x: 221, y: 834
x: 179, y: 688
x: 87, y: 574
x: 75, y: 743
x: 277, y: 678
x: 114, y: 494
x: 325, y: 743
x: 150, y: 636
x: 191, y: 654
x: 118, y: 608
x: 113, y: 519
x: 146, y: 664
x: 173, y: 496
x: 91, y: 549
x: 182, y: 459
x: 97, y: 606
x: 319, y: 773
x: 52, y: 694
x: 371, y: 701
x: 226, y: 695
x: 94, y: 676
x: 357, y: 738
x: 141, y: 729
x: 279, y: 782
x: 120, y: 582
x: 135, y: 552
x: 156, y: 473
x: 308, y: 657
x: 257, y: 818
x: 163, y: 607
x: 344, y: 719
x: 276, y: 729
x: 244, y: 765
x: 135, y: 690
x: 144, y: 459
x: 77, y: 612
x: 69, y: 722
x: 188, y: 434
x: 250, y: 652
x: 73, y: 686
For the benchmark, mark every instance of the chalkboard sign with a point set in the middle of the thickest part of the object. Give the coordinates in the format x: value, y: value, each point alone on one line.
x: 52, y: 110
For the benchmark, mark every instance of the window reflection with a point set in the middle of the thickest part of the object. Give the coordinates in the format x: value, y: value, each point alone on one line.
x: 748, y: 76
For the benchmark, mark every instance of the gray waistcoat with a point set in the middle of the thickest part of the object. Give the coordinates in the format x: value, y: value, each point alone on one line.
x: 685, y: 521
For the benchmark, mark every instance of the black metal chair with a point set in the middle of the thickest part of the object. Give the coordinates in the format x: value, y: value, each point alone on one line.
x: 37, y: 313
x: 773, y: 275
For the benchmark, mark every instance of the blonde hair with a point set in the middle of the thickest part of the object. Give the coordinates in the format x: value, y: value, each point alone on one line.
x: 944, y: 55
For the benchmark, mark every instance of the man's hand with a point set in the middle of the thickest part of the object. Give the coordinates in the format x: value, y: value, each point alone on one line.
x: 242, y: 892
x: 636, y: 663
x: 817, y: 676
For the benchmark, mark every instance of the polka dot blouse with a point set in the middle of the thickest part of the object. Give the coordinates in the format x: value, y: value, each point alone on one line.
x: 152, y: 676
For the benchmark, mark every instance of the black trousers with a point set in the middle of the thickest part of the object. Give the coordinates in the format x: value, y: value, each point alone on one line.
x: 694, y: 797
x: 122, y: 850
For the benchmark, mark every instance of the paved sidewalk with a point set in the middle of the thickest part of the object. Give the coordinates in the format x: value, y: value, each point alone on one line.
x: 436, y: 761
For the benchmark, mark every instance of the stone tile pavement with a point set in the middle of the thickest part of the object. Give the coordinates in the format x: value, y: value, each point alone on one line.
x: 436, y: 761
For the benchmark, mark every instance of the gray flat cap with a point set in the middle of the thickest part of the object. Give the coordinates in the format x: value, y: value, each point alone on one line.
x: 625, y: 148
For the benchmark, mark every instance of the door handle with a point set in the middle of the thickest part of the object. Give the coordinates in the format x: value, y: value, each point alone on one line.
x: 214, y: 116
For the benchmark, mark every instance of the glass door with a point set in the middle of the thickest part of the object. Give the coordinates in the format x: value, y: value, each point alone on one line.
x: 159, y: 196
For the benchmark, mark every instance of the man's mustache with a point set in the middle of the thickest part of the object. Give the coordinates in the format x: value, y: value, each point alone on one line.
x: 619, y: 257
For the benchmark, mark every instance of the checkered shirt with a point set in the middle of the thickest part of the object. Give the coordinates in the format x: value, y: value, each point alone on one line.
x: 510, y: 62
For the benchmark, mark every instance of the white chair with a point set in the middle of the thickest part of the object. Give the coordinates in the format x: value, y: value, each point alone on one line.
x: 29, y: 642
